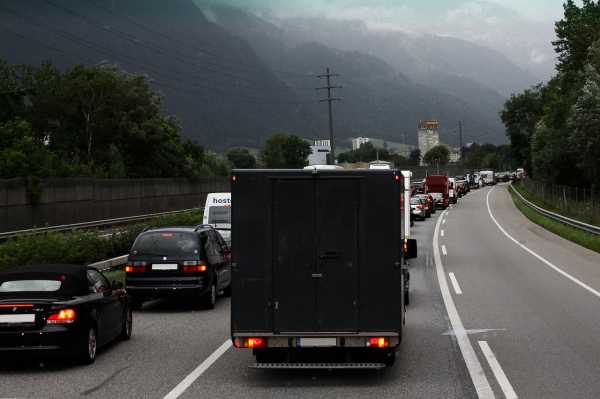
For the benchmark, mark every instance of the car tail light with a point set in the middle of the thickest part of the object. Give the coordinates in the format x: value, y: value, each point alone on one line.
x: 251, y: 343
x: 421, y: 206
x: 64, y: 316
x: 378, y: 342
x: 193, y: 267
x: 135, y: 267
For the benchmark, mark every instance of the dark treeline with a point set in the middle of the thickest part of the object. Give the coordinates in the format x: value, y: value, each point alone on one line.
x: 554, y: 128
x: 91, y: 121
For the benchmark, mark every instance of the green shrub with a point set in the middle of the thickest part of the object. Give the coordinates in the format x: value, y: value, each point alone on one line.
x: 83, y: 246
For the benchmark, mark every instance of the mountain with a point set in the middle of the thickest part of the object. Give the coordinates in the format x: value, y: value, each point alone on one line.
x: 382, y: 81
x: 211, y: 80
x: 233, y: 79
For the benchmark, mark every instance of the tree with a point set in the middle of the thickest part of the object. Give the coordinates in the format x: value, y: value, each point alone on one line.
x: 585, y: 121
x: 92, y: 121
x: 579, y: 28
x: 438, y: 155
x: 284, y: 151
x: 241, y: 158
x: 520, y: 115
x: 415, y: 157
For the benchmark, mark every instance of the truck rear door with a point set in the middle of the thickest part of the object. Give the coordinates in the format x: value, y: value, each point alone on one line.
x: 315, y: 259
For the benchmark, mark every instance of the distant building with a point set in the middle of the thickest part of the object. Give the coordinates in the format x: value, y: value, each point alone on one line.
x: 454, y: 154
x: 319, y: 151
x: 322, y: 143
x: 429, y: 136
x: 357, y: 142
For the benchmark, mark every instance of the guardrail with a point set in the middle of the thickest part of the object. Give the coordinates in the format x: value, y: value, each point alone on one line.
x: 93, y: 224
x: 558, y: 217
x: 110, y: 264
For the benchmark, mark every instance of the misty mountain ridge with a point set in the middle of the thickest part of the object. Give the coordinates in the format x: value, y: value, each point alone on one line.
x: 233, y: 79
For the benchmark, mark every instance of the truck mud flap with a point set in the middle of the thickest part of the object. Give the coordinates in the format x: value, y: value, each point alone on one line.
x: 318, y: 366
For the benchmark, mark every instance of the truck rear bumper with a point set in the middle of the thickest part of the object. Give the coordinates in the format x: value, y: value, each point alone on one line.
x: 318, y: 366
x: 304, y: 340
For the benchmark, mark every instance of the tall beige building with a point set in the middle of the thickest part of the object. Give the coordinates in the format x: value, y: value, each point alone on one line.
x: 429, y: 136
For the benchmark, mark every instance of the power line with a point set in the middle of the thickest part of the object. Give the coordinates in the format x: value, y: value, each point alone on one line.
x: 330, y: 100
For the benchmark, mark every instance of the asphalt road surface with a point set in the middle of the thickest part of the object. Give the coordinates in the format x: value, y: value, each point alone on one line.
x: 499, y: 308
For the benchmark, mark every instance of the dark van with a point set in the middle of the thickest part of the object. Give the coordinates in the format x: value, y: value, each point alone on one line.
x: 182, y: 261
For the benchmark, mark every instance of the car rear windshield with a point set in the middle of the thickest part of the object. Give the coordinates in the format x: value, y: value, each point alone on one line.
x: 219, y: 215
x: 166, y: 243
x: 30, y: 286
x: 415, y: 201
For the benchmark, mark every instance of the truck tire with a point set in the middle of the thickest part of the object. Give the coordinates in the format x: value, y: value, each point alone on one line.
x: 389, y: 358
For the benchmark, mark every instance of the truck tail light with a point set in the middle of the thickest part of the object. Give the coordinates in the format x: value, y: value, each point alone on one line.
x: 251, y: 343
x: 64, y: 316
x: 378, y: 342
x: 135, y: 267
x: 193, y: 267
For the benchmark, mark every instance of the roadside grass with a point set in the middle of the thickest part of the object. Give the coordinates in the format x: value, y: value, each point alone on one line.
x: 585, y: 217
x: 577, y: 236
x: 115, y: 275
x: 82, y: 246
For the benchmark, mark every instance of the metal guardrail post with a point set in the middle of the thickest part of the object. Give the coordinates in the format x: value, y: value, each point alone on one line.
x: 557, y: 217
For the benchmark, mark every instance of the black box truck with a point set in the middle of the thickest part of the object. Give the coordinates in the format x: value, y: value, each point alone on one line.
x: 318, y: 267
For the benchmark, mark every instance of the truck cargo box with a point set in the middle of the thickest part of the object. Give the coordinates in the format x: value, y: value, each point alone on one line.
x: 318, y: 253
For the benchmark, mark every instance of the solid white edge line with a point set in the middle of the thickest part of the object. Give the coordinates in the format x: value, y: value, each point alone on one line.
x: 442, y: 233
x: 444, y: 251
x: 502, y: 379
x: 444, y: 222
x: 478, y: 377
x: 455, y: 284
x: 194, y: 375
x: 540, y: 258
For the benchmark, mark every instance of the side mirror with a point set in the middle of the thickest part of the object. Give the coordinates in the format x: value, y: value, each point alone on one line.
x: 117, y: 285
x: 410, y: 249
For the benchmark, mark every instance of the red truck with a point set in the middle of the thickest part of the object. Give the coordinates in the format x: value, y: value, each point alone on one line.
x: 439, y: 184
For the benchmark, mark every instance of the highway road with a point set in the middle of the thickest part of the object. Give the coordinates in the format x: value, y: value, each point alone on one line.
x: 500, y: 308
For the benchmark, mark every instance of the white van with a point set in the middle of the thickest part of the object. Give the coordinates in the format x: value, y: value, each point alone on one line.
x: 488, y: 177
x: 452, y: 190
x: 217, y: 212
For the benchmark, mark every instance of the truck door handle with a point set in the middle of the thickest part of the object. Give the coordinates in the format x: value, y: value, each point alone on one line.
x: 317, y: 275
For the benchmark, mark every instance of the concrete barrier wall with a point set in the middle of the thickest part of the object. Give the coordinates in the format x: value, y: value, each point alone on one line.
x: 65, y: 201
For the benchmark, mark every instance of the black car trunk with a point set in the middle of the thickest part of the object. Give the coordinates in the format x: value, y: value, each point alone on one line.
x: 24, y: 315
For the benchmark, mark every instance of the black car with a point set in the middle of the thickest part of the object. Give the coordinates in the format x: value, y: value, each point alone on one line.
x: 182, y: 261
x: 62, y: 310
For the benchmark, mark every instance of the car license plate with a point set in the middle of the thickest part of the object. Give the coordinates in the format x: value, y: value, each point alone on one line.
x: 169, y: 266
x: 317, y: 342
x: 17, y: 318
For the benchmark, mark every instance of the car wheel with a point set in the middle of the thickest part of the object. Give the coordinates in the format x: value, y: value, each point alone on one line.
x: 88, y: 347
x: 136, y: 303
x: 210, y: 299
x: 389, y: 358
x: 127, y: 328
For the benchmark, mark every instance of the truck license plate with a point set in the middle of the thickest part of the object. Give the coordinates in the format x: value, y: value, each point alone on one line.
x: 317, y: 342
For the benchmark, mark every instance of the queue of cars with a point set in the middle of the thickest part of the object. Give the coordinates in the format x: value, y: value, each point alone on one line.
x: 70, y: 311
x: 438, y: 192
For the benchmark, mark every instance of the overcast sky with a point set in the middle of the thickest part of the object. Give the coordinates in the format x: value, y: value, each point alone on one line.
x: 521, y: 29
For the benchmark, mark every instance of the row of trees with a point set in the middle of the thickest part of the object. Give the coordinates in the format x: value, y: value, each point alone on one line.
x: 91, y: 121
x: 555, y: 128
x: 368, y: 152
